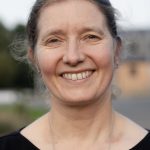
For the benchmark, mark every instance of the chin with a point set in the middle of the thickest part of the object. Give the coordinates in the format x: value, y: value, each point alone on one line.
x: 79, y: 100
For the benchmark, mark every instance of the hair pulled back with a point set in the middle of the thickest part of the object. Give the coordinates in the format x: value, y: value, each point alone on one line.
x: 32, y: 31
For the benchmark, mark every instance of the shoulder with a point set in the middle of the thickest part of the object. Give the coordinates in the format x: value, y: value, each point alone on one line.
x: 143, y: 144
x: 133, y: 136
x: 15, y: 141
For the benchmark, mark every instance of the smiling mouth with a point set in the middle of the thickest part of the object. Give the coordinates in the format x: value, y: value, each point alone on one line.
x: 77, y: 76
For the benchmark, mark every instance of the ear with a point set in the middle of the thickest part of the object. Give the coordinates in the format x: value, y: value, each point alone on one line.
x: 30, y: 55
x: 117, y: 51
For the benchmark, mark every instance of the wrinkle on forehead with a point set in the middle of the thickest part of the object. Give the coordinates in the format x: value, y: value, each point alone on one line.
x: 49, y: 3
x: 71, y: 13
x: 70, y: 17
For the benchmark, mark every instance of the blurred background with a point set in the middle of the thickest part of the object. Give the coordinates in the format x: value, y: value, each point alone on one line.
x: 21, y: 99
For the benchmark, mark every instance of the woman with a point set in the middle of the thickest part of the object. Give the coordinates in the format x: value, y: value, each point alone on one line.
x: 75, y: 47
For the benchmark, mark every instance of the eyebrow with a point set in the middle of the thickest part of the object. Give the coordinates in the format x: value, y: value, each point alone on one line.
x: 53, y: 32
x: 92, y: 29
x: 81, y: 31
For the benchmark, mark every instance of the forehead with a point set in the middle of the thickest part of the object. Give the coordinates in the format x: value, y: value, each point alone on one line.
x: 71, y: 13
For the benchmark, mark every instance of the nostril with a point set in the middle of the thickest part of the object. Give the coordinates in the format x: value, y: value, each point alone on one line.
x: 73, y: 59
x: 73, y: 54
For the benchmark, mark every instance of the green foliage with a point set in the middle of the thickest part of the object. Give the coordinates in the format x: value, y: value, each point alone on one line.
x: 4, y: 38
x: 13, y: 117
x: 13, y: 74
x: 5, y: 127
x: 8, y: 70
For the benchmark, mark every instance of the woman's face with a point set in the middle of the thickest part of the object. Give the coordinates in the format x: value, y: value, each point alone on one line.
x: 75, y: 52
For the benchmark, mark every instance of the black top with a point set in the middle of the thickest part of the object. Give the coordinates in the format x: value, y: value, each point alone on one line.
x: 16, y: 141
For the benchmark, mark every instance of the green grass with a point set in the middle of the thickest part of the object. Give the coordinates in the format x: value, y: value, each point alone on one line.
x: 18, y: 115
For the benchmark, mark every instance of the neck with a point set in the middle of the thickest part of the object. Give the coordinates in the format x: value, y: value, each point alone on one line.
x: 93, y: 121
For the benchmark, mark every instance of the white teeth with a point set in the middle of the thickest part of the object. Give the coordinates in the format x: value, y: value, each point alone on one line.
x: 66, y: 76
x: 78, y: 76
x: 69, y: 76
x: 74, y: 77
x: 84, y: 75
x: 87, y: 73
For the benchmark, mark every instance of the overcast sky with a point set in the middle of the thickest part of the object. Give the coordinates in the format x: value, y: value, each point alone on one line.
x: 134, y: 13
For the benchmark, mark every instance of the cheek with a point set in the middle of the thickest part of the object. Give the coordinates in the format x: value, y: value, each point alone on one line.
x: 47, y: 62
x: 103, y: 57
x: 106, y: 57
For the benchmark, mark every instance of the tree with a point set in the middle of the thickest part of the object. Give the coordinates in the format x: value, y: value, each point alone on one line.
x: 13, y: 74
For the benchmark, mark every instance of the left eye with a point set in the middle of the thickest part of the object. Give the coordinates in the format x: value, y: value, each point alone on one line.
x: 93, y: 38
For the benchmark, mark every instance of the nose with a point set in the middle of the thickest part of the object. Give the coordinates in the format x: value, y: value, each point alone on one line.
x: 73, y: 54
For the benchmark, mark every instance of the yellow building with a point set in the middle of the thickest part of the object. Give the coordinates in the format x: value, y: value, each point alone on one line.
x: 133, y: 75
x: 133, y: 78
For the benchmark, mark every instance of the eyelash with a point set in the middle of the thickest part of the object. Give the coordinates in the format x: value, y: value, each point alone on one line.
x: 53, y: 40
x: 92, y: 37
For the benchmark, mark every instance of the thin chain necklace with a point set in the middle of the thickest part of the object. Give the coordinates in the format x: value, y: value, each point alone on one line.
x: 110, y: 135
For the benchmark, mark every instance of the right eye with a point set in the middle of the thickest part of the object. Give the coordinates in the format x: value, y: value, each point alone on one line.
x: 53, y: 42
